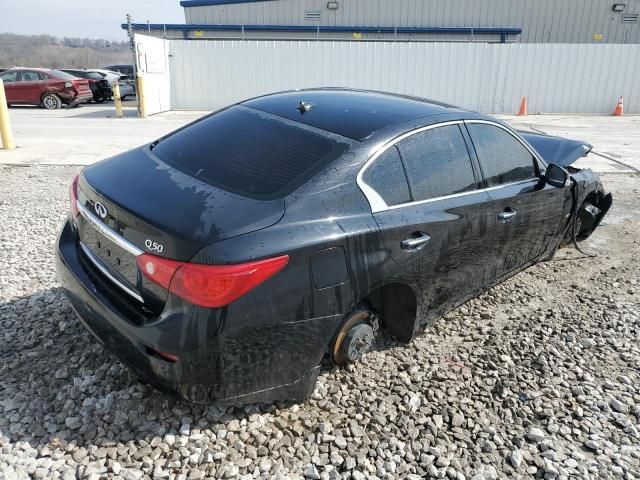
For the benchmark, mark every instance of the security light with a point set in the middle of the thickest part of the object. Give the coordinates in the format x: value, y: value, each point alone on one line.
x: 332, y: 5
x: 619, y: 7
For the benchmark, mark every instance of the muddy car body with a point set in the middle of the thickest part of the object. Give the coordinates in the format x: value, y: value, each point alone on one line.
x: 224, y: 261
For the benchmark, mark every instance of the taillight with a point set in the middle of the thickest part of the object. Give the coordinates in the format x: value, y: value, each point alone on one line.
x: 159, y: 270
x: 73, y: 196
x: 209, y: 286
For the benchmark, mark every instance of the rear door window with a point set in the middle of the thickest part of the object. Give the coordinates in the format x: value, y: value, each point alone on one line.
x: 9, y: 77
x: 387, y: 177
x: 503, y: 158
x: 437, y: 163
x: 31, y: 76
x: 63, y: 75
x: 249, y: 152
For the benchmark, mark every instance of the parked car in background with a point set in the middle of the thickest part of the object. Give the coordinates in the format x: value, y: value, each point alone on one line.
x: 127, y: 86
x: 48, y: 88
x: 100, y: 87
x: 125, y: 69
x: 294, y: 226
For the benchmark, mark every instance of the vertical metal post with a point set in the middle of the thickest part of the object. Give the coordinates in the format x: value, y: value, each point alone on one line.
x: 5, y: 124
x: 164, y: 28
x: 148, y: 28
x: 142, y: 109
x: 117, y: 101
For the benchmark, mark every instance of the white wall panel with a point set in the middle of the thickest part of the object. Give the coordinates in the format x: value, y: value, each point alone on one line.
x: 568, y: 78
x: 152, y: 58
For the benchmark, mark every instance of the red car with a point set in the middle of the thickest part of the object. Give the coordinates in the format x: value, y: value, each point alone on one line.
x: 47, y: 88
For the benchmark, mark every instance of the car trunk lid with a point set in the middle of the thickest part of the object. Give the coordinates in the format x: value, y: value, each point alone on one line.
x: 81, y: 86
x: 134, y: 203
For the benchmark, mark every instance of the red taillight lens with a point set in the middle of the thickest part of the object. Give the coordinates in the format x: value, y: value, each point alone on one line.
x: 209, y: 286
x: 73, y: 196
x: 159, y: 270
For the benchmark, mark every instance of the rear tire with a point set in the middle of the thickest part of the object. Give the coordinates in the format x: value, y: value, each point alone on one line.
x: 99, y: 99
x: 123, y: 98
x: 51, y: 101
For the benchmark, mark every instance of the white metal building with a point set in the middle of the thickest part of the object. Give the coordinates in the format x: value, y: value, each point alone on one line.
x: 569, y: 56
x: 526, y: 21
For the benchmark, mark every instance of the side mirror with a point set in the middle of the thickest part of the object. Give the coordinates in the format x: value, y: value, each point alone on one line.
x: 556, y: 176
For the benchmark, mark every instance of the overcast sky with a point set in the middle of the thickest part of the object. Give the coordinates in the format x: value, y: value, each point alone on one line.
x: 84, y: 18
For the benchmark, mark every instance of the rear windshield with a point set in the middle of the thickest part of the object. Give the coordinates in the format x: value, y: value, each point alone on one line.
x: 92, y: 75
x: 250, y: 152
x: 62, y: 75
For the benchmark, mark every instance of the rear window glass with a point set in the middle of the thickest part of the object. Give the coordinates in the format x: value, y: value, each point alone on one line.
x: 250, y: 152
x: 62, y: 75
x: 437, y: 163
x: 386, y: 176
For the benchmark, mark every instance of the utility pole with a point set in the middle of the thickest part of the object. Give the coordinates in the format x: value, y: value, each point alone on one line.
x: 139, y: 82
x: 132, y: 44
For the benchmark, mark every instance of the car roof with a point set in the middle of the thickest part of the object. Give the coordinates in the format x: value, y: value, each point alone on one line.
x: 351, y: 113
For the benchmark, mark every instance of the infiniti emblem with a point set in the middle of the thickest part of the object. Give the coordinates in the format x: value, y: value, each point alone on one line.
x: 101, y: 210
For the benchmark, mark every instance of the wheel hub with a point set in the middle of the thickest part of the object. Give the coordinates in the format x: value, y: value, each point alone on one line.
x: 357, y: 342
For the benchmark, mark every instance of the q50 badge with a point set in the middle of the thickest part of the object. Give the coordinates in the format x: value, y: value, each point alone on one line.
x: 153, y: 246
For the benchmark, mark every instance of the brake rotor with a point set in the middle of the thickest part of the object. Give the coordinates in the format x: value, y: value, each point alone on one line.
x: 354, y: 339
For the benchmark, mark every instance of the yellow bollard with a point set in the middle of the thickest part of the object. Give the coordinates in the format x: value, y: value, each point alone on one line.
x: 5, y: 125
x: 117, y: 100
x: 142, y: 111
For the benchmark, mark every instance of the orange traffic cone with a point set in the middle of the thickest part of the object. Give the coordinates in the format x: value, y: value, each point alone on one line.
x: 523, y: 107
x: 619, y: 111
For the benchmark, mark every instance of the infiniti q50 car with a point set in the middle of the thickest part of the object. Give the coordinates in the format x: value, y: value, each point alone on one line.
x: 226, y: 260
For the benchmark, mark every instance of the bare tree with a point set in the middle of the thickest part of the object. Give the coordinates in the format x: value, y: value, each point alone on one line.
x: 51, y: 52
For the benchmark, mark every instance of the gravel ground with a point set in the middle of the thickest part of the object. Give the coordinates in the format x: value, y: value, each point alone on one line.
x: 539, y: 377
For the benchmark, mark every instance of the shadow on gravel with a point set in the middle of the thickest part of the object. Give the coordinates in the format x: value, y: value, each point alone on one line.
x: 60, y: 386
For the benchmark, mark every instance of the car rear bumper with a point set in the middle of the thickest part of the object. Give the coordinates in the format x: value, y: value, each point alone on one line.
x: 106, y: 92
x: 72, y: 99
x: 228, y: 368
x: 82, y: 98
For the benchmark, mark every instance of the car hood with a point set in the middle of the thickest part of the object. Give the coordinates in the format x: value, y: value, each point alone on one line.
x: 557, y: 150
x: 150, y: 200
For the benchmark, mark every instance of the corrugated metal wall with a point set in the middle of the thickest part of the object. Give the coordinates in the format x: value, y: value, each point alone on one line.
x: 207, y: 75
x: 548, y: 21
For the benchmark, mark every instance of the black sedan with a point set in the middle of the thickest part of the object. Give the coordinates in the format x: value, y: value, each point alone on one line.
x: 226, y: 260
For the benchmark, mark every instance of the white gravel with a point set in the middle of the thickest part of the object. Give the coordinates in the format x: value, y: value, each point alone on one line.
x: 540, y: 377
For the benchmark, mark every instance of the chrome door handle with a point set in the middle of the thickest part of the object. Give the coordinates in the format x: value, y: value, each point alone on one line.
x: 416, y: 241
x: 506, y: 216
